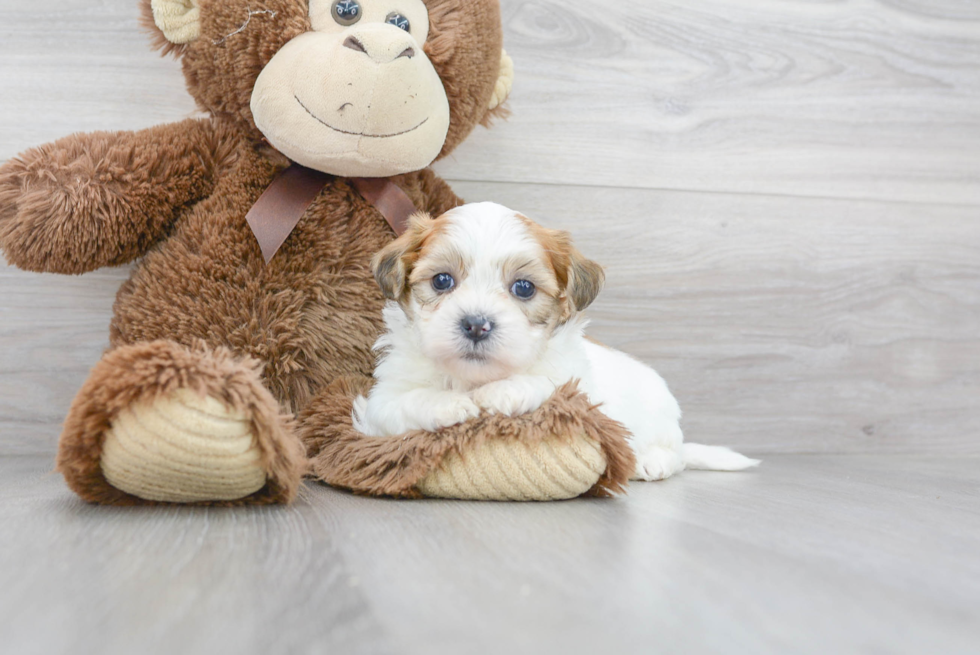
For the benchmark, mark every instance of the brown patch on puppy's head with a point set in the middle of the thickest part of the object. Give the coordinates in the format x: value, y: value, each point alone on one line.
x: 393, y: 266
x: 579, y: 279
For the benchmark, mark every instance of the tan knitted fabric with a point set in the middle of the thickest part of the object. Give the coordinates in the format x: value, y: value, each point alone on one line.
x: 550, y: 469
x: 182, y: 448
x: 506, y: 81
x: 179, y: 20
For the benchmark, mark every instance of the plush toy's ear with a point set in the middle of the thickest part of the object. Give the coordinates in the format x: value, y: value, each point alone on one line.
x: 179, y: 20
x: 505, y: 82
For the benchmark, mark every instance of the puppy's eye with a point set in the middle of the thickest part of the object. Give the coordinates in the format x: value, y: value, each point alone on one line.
x: 399, y: 21
x: 443, y: 282
x: 346, y: 12
x: 523, y: 289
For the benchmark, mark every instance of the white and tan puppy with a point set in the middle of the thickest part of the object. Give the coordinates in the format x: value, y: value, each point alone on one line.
x: 487, y: 316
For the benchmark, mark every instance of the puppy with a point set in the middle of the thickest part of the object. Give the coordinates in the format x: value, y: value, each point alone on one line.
x: 486, y: 316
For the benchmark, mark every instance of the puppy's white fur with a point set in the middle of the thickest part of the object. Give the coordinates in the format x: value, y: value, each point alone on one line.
x: 431, y: 376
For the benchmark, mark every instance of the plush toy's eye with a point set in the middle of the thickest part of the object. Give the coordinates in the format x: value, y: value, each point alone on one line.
x: 347, y: 12
x: 523, y: 289
x: 443, y: 282
x: 396, y: 19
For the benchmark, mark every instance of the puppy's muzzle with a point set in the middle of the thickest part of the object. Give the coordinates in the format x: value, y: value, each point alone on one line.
x: 476, y: 328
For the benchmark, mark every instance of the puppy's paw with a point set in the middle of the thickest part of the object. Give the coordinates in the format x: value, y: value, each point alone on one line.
x: 657, y: 464
x: 510, y: 398
x: 450, y: 409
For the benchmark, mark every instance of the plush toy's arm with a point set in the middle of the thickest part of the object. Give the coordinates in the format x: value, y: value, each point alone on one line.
x: 102, y: 199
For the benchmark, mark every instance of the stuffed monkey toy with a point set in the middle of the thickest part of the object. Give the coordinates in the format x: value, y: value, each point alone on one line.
x: 247, y: 323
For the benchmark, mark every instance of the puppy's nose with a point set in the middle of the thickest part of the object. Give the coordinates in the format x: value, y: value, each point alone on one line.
x: 476, y: 328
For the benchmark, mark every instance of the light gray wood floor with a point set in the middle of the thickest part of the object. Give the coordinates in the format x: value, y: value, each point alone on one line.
x: 787, y: 199
x: 808, y: 554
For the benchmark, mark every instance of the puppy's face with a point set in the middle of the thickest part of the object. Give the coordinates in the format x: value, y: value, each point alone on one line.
x: 485, y: 288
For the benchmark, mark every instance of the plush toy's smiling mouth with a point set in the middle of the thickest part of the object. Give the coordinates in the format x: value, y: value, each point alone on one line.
x: 372, y: 136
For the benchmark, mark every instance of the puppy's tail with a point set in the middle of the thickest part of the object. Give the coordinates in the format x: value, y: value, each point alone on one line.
x: 715, y: 458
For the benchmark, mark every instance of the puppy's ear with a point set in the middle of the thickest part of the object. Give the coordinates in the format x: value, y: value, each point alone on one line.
x: 585, y: 279
x: 580, y: 279
x: 389, y: 270
x: 393, y: 264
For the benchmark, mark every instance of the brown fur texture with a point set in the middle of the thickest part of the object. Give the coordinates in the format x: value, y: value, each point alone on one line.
x: 146, y: 371
x: 344, y: 458
x: 104, y: 199
x: 202, y: 309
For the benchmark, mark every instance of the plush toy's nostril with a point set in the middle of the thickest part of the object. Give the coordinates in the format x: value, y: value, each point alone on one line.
x: 354, y: 43
x: 476, y: 328
x: 381, y: 49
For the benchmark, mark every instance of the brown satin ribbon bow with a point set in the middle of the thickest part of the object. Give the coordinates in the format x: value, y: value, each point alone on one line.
x: 280, y: 208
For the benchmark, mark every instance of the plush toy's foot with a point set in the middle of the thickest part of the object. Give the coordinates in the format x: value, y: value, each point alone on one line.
x: 563, y: 449
x: 157, y: 422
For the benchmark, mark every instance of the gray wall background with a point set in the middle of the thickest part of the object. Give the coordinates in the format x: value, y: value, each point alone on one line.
x: 786, y: 196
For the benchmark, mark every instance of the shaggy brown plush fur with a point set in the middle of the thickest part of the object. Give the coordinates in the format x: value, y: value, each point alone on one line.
x: 202, y: 308
x: 344, y: 458
x: 104, y: 199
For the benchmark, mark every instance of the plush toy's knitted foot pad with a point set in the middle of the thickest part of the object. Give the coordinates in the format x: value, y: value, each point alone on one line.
x: 565, y: 448
x: 550, y: 469
x: 160, y: 422
x: 182, y: 448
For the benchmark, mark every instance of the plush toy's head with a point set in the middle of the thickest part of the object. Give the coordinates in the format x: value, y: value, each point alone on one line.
x: 365, y: 88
